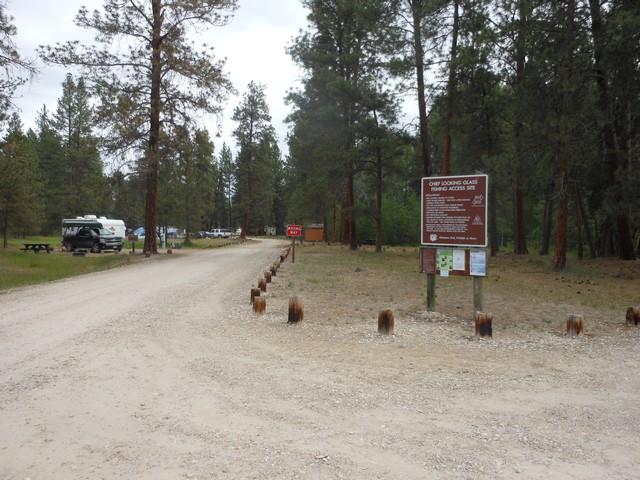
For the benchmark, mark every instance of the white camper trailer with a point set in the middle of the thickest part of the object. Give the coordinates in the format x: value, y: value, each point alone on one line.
x: 116, y: 227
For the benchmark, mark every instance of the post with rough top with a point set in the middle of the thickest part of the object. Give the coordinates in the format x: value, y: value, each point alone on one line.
x: 484, y: 327
x: 386, y: 321
x: 633, y: 316
x: 575, y: 325
x: 296, y: 311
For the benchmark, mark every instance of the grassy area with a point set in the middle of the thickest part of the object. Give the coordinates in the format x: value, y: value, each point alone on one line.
x: 18, y: 268
x: 357, y: 284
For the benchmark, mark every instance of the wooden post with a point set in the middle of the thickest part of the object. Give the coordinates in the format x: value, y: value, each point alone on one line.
x: 296, y: 311
x: 478, y: 294
x: 431, y: 292
x: 484, y: 327
x: 262, y: 285
x: 267, y: 276
x: 386, y: 322
x: 293, y: 249
x: 633, y: 316
x: 255, y: 292
x: 575, y: 325
x: 259, y: 305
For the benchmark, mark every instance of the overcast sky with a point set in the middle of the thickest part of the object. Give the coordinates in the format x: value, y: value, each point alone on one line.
x: 253, y: 43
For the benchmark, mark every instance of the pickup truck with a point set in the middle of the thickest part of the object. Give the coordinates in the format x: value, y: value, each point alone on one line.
x: 92, y: 238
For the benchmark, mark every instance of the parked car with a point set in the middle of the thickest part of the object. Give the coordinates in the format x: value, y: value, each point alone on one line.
x: 92, y: 238
x: 220, y: 233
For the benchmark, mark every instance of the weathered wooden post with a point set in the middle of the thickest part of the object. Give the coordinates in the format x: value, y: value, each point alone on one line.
x: 255, y: 292
x: 296, y: 311
x: 575, y: 325
x: 484, y: 327
x: 267, y: 276
x: 633, y: 316
x: 259, y: 305
x: 386, y: 321
x: 262, y: 284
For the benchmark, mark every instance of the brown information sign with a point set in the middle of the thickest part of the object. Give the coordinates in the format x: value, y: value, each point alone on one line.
x: 454, y: 210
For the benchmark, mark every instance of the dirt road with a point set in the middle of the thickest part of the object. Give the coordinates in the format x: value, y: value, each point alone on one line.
x: 161, y: 370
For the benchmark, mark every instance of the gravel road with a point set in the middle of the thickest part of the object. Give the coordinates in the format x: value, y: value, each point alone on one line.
x: 161, y: 370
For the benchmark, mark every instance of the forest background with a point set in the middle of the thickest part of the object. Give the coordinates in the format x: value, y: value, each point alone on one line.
x: 543, y: 96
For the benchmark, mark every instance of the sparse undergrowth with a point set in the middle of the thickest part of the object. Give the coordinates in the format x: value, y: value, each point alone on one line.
x: 340, y: 286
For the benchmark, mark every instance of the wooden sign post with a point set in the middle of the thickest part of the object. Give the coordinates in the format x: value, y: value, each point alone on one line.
x: 454, y: 214
x: 294, y: 231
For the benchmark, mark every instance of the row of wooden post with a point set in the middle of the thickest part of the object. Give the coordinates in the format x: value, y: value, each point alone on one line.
x: 258, y: 301
x: 575, y: 322
x: 386, y: 318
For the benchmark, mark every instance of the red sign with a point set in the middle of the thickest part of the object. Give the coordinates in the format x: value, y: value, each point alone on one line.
x: 294, y: 230
x: 454, y: 211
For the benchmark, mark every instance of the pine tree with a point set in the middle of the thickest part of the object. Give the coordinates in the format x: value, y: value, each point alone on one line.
x: 14, y: 70
x: 20, y: 187
x: 73, y: 122
x: 158, y: 80
x: 258, y: 154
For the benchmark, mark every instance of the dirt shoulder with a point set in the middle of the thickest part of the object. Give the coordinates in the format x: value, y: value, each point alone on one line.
x: 162, y: 370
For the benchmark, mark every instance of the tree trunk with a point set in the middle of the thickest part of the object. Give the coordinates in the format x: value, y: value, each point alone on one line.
x: 579, y: 222
x: 416, y: 10
x: 520, y: 231
x: 353, y: 240
x: 245, y: 225
x: 378, y: 200
x: 585, y: 222
x: 334, y: 217
x: 566, y: 69
x: 560, y: 257
x: 150, y: 243
x: 548, y: 218
x: 451, y: 90
x: 345, y: 220
x: 493, y: 220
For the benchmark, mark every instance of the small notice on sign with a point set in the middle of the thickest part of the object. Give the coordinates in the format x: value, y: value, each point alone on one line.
x: 453, y: 261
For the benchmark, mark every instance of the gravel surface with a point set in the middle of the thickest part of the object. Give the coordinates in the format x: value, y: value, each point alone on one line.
x: 162, y: 370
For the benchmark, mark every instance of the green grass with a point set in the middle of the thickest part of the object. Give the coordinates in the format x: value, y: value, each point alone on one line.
x: 19, y: 268
x: 519, y: 289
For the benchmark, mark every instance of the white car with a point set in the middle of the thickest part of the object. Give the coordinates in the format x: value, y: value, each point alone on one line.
x: 220, y: 233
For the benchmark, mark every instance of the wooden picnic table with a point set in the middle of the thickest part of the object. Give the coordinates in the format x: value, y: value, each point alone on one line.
x: 36, y: 247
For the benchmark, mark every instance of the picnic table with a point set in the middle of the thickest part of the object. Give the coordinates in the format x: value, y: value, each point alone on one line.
x: 36, y: 247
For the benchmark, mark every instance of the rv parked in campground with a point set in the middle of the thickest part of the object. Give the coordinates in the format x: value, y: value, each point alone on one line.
x: 93, y: 233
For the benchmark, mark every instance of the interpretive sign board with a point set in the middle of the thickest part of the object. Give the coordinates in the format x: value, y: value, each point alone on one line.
x: 453, y: 261
x: 294, y: 230
x: 454, y: 211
